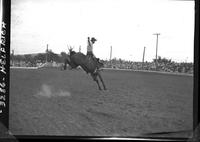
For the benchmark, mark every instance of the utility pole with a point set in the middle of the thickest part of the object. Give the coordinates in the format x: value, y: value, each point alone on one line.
x: 79, y: 48
x: 143, y: 57
x: 110, y: 55
x: 47, y: 53
x: 157, y: 34
x: 12, y: 57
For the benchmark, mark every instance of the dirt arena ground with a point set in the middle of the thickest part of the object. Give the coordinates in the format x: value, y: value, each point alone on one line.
x: 68, y: 103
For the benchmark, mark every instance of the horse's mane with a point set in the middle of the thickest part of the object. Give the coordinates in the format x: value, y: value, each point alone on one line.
x: 72, y: 52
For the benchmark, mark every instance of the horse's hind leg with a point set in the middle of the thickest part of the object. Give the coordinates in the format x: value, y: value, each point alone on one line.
x: 99, y: 75
x: 95, y: 79
x: 85, y: 68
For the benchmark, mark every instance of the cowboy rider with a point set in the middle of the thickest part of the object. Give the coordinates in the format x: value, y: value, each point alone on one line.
x: 90, y: 48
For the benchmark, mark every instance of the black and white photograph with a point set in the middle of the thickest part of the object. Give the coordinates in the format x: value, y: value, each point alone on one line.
x: 116, y: 68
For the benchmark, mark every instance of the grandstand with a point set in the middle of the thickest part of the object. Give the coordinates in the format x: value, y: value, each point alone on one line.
x: 50, y: 59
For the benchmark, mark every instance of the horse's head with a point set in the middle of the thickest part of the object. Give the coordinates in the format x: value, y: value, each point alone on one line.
x: 71, y: 52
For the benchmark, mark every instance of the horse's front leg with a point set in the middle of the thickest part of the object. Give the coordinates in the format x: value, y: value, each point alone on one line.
x: 95, y: 79
x: 99, y: 75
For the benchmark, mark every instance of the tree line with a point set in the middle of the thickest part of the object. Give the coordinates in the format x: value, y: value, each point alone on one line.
x: 40, y: 57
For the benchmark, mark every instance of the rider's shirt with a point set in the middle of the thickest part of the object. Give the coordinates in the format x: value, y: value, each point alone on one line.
x: 90, y: 46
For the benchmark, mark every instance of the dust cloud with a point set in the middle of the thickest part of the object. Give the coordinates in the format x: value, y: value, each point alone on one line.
x: 47, y: 91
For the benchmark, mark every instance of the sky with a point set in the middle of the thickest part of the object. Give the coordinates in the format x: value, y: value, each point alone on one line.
x: 126, y: 25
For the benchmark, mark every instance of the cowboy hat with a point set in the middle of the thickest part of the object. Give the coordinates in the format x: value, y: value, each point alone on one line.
x: 93, y: 39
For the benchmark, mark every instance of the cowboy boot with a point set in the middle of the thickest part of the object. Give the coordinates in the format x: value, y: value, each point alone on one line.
x: 98, y: 61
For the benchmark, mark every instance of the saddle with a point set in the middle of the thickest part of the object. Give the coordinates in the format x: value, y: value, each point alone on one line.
x: 92, y: 58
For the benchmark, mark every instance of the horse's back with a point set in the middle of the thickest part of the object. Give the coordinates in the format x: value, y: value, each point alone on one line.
x: 85, y: 61
x: 78, y: 58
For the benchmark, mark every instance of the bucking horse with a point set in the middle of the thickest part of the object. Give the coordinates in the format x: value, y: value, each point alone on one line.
x: 88, y: 64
